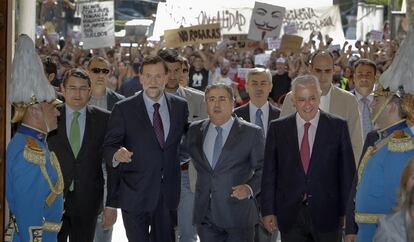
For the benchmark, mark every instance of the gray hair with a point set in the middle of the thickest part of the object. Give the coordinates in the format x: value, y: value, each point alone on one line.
x: 257, y: 71
x: 306, y: 80
x: 219, y: 85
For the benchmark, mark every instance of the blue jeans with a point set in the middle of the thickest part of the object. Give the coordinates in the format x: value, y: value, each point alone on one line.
x: 187, y: 232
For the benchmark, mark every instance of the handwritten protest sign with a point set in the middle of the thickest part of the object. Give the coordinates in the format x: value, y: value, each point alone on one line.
x: 266, y: 21
x: 199, y: 34
x: 291, y: 43
x: 290, y: 28
x: 242, y: 42
x: 261, y: 59
x: 98, y: 29
x: 375, y: 35
x: 273, y: 43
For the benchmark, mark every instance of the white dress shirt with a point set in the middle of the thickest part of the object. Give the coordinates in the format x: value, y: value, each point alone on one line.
x: 311, y: 132
x: 265, y: 114
x: 165, y: 115
x: 326, y: 101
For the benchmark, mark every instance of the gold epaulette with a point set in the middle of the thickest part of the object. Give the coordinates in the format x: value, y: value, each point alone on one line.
x: 400, y: 142
x: 37, y: 155
x: 33, y: 152
x: 367, y: 218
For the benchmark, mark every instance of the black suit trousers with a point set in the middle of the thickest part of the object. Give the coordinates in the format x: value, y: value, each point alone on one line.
x: 304, y: 231
x: 155, y: 226
x: 77, y: 227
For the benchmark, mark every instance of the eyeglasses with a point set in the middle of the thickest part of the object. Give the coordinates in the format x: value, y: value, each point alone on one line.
x: 214, y: 99
x: 77, y: 89
x: 97, y: 70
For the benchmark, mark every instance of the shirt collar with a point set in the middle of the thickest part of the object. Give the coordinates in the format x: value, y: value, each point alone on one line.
x: 263, y: 108
x: 359, y: 96
x: 149, y: 103
x: 301, y: 122
x: 227, y: 125
x: 70, y: 111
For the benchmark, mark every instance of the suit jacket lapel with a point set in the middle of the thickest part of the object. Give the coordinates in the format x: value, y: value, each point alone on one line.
x: 87, y: 133
x: 334, y: 102
x: 62, y: 131
x: 173, y: 119
x: 292, y: 139
x: 320, y: 140
x: 232, y: 139
x: 200, y: 142
x: 142, y: 115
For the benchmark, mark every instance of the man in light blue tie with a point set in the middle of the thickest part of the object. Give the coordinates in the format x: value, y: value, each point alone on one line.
x: 364, y: 78
x: 260, y: 112
x: 227, y: 153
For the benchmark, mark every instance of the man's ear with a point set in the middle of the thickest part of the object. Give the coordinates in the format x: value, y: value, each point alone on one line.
x: 51, y: 77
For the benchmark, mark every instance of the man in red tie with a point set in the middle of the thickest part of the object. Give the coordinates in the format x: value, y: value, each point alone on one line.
x: 308, y: 170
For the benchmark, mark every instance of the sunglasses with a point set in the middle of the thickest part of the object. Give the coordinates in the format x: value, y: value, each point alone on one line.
x: 100, y: 70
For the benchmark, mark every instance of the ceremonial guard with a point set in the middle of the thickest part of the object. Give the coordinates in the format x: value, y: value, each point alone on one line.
x: 34, y: 182
x: 379, y: 175
x: 382, y: 164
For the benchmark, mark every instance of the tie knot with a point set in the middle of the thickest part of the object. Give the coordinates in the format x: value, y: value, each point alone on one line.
x: 365, y: 100
x: 219, y: 129
x: 156, y: 106
x: 307, y: 125
x: 259, y: 112
x: 76, y: 114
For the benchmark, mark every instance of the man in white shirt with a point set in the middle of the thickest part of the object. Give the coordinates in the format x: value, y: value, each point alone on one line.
x: 333, y: 99
x: 308, y: 170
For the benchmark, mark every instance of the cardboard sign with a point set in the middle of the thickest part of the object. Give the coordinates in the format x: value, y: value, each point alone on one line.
x: 98, y: 28
x: 242, y: 42
x: 261, y: 59
x: 273, y: 44
x: 291, y: 43
x: 376, y: 36
x: 290, y: 28
x: 266, y: 21
x: 199, y: 34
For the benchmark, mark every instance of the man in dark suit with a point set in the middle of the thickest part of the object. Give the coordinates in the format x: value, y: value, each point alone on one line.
x: 104, y: 98
x: 142, y: 140
x: 101, y: 96
x: 258, y: 111
x: 308, y: 170
x: 133, y: 85
x: 228, y: 155
x: 77, y: 144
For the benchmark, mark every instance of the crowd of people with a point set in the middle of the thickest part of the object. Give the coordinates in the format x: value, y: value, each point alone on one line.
x: 188, y: 145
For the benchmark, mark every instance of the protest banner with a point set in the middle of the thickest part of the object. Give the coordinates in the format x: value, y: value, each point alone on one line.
x: 266, y: 21
x: 291, y: 43
x: 97, y: 24
x: 199, y: 34
x: 236, y: 20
